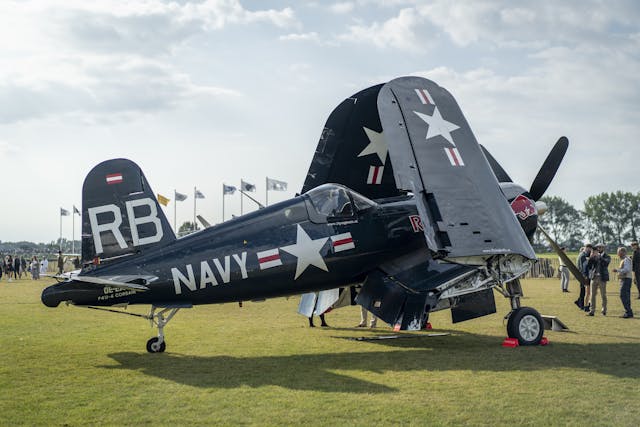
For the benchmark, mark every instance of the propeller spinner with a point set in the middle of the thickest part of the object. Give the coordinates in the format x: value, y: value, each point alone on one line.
x: 526, y: 204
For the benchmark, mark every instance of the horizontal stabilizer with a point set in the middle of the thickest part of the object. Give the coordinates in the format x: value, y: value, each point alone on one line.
x: 122, y: 282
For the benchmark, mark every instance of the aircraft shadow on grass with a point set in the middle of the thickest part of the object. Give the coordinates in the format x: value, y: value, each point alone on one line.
x: 423, y: 355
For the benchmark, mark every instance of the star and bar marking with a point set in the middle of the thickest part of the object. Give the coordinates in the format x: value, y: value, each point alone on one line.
x: 438, y: 126
x: 378, y: 146
x: 307, y: 250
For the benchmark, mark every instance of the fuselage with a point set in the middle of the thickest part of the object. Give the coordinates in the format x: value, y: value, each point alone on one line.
x: 288, y: 248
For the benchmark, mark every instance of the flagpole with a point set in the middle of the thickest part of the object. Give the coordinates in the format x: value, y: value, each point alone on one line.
x: 60, y: 244
x: 266, y: 199
x: 73, y: 230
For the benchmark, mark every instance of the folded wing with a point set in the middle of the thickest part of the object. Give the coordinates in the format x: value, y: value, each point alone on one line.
x: 437, y: 158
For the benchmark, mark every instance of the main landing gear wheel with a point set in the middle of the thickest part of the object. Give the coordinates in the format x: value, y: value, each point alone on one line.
x: 155, y: 346
x: 526, y: 325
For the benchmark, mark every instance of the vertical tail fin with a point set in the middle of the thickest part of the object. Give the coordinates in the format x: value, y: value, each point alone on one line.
x: 120, y: 213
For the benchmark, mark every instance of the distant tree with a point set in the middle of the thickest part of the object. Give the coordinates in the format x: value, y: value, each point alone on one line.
x: 188, y: 227
x: 562, y: 221
x: 612, y: 217
x: 635, y: 217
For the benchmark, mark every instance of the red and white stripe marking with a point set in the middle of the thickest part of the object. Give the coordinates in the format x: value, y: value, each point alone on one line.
x: 425, y: 97
x: 342, y: 242
x: 375, y: 174
x: 268, y: 259
x: 114, y: 178
x: 454, y: 156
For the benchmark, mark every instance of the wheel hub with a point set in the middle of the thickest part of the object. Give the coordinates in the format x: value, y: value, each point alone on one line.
x: 529, y: 327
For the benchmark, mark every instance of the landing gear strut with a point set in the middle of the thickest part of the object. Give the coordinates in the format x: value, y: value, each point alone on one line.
x: 158, y: 344
x: 524, y: 323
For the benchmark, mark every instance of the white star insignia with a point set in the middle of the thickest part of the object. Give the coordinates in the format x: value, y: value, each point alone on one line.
x: 377, y: 145
x: 438, y: 126
x: 307, y: 251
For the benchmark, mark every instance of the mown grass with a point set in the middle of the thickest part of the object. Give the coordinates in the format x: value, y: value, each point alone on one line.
x: 261, y: 364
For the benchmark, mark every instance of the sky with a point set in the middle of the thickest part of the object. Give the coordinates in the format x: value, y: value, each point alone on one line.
x: 200, y: 93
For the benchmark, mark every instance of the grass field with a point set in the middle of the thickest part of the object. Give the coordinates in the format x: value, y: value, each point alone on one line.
x: 261, y: 364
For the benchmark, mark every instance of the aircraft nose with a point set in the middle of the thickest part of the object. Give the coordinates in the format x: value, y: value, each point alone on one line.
x: 50, y: 296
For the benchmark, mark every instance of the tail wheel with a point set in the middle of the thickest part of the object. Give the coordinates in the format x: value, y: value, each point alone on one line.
x: 155, y: 346
x: 526, y: 325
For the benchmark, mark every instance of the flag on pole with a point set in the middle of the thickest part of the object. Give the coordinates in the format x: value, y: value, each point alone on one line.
x: 180, y: 197
x: 245, y: 186
x: 75, y: 210
x: 228, y: 189
x: 198, y: 194
x: 163, y: 200
x: 64, y: 212
x: 275, y: 185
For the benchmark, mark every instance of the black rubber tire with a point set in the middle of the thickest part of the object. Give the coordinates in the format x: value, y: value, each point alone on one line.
x: 152, y: 347
x: 526, y: 325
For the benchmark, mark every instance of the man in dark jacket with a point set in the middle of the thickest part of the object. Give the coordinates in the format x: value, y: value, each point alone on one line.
x: 581, y: 262
x: 635, y: 264
x: 60, y: 263
x: 16, y: 267
x: 598, y: 267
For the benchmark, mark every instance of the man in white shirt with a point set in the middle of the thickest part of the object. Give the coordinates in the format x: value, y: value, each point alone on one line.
x: 624, y: 274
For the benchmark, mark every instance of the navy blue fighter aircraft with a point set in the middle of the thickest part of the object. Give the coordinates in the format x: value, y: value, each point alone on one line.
x: 400, y: 201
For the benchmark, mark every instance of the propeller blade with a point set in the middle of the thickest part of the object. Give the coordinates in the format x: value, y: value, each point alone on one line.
x: 549, y: 169
x: 495, y: 166
x: 570, y: 265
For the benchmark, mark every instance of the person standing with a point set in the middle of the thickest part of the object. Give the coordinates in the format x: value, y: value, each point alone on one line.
x: 9, y: 270
x: 635, y: 265
x: 44, y: 265
x: 60, y: 263
x: 323, y: 323
x: 581, y: 263
x: 363, y: 319
x: 35, y: 268
x: 16, y: 268
x: 24, y: 269
x: 598, y: 266
x: 624, y: 274
x: 564, y: 273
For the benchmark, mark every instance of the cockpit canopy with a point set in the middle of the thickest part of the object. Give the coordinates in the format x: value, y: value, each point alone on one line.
x: 334, y: 202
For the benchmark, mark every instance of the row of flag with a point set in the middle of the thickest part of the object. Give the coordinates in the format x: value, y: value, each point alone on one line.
x: 272, y: 185
x: 64, y: 212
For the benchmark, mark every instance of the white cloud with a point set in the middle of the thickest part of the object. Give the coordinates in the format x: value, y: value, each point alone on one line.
x: 111, y: 85
x: 397, y: 32
x: 107, y: 56
x: 7, y: 150
x: 534, y: 24
x: 342, y: 7
x: 312, y: 36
